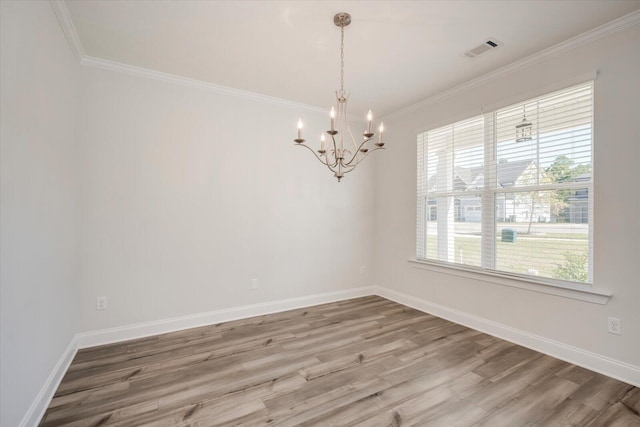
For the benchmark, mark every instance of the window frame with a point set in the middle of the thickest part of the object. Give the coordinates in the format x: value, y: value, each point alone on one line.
x: 488, y: 193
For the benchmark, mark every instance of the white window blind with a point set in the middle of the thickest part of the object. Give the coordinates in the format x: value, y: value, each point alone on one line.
x: 510, y: 190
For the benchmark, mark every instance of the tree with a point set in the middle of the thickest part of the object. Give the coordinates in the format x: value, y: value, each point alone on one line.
x: 560, y: 170
x: 536, y: 201
x: 563, y: 170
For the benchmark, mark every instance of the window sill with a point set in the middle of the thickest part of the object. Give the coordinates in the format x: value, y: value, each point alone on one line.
x: 577, y: 292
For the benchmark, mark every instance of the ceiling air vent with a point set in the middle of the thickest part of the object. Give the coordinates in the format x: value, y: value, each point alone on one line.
x: 485, y: 47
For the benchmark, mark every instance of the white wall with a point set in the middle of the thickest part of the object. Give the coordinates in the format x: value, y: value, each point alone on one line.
x: 188, y: 194
x: 617, y: 205
x: 38, y: 216
x: 168, y: 199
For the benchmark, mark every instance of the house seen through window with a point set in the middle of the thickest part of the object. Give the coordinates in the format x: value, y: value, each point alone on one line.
x: 510, y: 190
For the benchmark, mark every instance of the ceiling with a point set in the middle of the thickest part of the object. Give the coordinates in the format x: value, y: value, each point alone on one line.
x: 396, y: 52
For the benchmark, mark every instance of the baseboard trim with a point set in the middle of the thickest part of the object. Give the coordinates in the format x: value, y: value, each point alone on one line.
x: 613, y: 368
x: 604, y: 365
x: 141, y: 330
x: 39, y: 406
x: 107, y: 336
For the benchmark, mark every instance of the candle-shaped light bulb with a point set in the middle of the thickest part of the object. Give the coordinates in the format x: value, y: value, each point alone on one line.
x: 332, y: 114
x: 300, y: 128
x: 381, y: 129
x: 369, y: 118
x: 322, y: 142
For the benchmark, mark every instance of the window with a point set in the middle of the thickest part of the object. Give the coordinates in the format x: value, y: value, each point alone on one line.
x: 510, y: 190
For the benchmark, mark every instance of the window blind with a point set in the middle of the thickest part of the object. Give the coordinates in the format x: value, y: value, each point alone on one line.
x: 510, y: 190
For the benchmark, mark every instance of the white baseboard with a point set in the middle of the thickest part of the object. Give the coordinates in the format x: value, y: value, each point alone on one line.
x: 39, y: 406
x: 610, y: 367
x: 140, y: 330
x: 595, y: 362
x: 107, y: 336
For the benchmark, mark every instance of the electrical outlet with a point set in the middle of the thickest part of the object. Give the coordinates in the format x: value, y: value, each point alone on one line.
x: 101, y: 303
x: 362, y: 270
x: 614, y: 325
x: 254, y: 283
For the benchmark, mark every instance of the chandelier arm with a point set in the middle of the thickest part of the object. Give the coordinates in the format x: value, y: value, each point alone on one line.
x: 329, y: 166
x: 326, y: 162
x: 358, y: 151
x: 314, y: 153
x: 332, y: 169
x: 335, y: 147
x: 347, y: 169
x: 363, y: 157
x: 335, y: 151
x: 353, y: 140
x: 334, y: 164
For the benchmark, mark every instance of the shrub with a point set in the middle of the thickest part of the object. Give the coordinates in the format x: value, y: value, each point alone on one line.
x: 574, y: 268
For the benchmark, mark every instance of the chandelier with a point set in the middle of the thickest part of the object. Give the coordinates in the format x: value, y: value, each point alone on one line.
x: 338, y: 158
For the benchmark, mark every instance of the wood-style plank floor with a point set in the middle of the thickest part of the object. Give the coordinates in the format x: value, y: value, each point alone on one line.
x: 362, y: 362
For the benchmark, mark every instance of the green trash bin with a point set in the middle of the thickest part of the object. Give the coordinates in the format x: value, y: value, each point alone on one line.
x: 509, y: 235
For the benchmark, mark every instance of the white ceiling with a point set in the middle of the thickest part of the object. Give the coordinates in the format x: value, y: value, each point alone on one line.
x: 396, y: 52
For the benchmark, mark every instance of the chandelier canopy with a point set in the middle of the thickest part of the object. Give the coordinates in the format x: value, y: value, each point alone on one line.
x: 338, y: 158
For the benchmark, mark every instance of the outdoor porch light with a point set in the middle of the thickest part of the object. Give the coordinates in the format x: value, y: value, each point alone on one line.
x: 523, y: 129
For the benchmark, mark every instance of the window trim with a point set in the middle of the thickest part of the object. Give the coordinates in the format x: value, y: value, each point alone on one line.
x: 575, y: 290
x: 571, y: 290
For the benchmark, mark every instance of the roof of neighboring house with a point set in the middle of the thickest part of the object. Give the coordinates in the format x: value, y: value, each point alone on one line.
x: 465, y: 178
x: 467, y: 175
x: 508, y: 173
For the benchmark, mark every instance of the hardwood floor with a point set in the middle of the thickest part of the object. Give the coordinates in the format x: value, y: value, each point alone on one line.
x: 364, y: 362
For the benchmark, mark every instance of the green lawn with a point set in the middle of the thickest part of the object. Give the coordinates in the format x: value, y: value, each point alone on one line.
x: 541, y: 253
x: 569, y: 236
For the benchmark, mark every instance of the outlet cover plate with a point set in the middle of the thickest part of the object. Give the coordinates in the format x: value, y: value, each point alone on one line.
x: 614, y: 325
x: 101, y: 303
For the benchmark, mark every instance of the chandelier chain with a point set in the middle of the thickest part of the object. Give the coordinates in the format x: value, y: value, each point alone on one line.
x: 342, y: 60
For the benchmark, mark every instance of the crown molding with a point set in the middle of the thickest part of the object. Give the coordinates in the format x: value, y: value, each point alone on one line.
x: 597, y: 33
x: 68, y: 28
x: 133, y: 70
x: 64, y: 18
